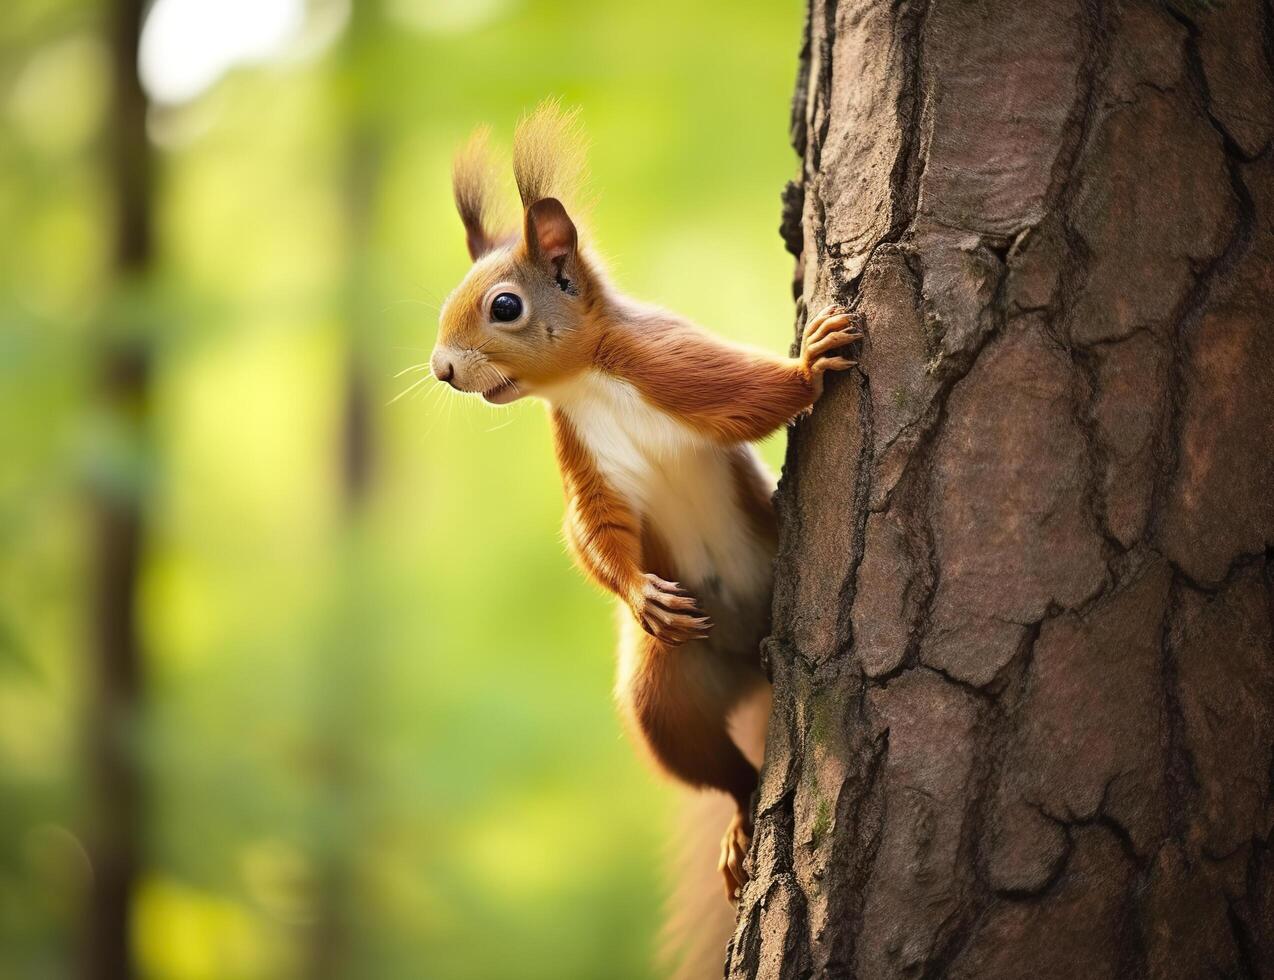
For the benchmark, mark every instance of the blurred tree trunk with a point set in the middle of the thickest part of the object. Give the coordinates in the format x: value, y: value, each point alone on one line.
x: 115, y: 835
x: 362, y: 177
x: 1024, y: 666
x: 363, y: 164
x: 346, y: 666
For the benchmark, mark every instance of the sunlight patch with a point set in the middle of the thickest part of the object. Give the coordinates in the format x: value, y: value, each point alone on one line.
x: 187, y: 45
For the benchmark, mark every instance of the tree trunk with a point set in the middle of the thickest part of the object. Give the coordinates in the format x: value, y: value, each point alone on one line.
x: 117, y: 503
x: 346, y: 666
x: 1022, y: 649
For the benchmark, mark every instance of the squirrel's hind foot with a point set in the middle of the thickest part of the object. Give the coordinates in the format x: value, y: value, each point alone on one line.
x: 734, y: 849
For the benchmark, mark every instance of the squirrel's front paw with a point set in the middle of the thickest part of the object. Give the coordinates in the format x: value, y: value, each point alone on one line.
x: 667, y: 612
x: 833, y: 329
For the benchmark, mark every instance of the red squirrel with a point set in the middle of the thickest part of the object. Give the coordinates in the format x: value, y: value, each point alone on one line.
x: 667, y: 504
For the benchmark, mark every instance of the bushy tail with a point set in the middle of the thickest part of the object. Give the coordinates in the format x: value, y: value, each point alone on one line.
x: 700, y: 921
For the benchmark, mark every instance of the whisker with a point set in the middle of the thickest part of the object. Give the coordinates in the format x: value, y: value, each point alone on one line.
x: 410, y: 388
x: 432, y: 408
x: 429, y: 293
x: 414, y: 367
x: 428, y: 392
x: 431, y: 306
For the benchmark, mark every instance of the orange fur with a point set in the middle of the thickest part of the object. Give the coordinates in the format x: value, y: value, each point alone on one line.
x: 680, y: 700
x: 666, y: 505
x: 732, y: 393
x: 603, y: 532
x: 680, y: 707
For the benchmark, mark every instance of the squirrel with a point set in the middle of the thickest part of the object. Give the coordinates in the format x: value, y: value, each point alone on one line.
x: 667, y: 504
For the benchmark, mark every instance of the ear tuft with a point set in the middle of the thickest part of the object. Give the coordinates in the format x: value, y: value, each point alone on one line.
x: 474, y: 181
x: 548, y: 154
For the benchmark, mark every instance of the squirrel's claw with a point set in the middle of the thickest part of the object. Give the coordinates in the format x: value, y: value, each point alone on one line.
x: 832, y: 340
x: 662, y: 585
x: 734, y: 849
x: 830, y: 318
x: 668, y: 613
x: 831, y: 331
x: 673, y: 601
x: 675, y: 629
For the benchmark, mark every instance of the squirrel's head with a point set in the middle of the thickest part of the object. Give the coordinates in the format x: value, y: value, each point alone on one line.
x: 522, y: 318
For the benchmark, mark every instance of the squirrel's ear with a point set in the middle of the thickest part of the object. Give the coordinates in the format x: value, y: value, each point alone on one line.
x: 551, y: 241
x: 473, y: 182
x: 478, y: 240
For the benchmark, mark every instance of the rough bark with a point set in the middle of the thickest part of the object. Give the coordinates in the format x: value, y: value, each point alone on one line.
x: 1023, y: 650
x: 116, y: 695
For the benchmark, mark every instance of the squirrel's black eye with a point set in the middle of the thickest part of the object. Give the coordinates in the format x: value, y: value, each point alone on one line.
x: 506, y: 308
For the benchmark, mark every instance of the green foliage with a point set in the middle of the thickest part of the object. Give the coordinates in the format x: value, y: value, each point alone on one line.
x: 399, y: 721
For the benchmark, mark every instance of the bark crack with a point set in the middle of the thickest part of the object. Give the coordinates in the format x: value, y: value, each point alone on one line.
x: 1193, y: 306
x: 1182, y: 782
x: 916, y: 876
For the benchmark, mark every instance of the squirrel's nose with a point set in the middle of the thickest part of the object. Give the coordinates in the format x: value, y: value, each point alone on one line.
x: 442, y: 368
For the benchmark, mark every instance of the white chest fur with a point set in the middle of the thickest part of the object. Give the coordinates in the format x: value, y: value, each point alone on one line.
x: 675, y: 478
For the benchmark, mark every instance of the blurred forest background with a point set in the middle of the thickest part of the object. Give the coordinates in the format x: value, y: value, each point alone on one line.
x: 296, y: 679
